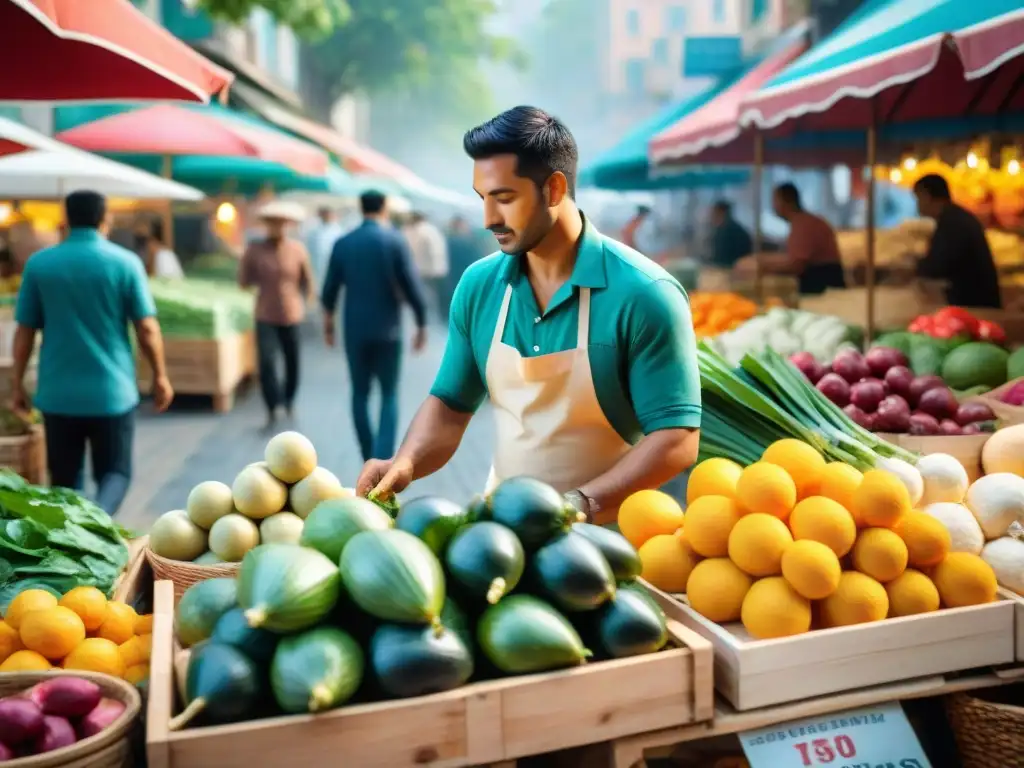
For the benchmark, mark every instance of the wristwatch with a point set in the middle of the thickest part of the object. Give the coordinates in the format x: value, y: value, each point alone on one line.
x: 583, y: 504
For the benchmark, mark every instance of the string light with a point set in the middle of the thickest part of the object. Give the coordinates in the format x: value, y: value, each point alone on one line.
x: 1013, y: 167
x: 972, y: 160
x: 226, y: 213
x: 895, y: 175
x: 5, y: 212
x: 909, y: 164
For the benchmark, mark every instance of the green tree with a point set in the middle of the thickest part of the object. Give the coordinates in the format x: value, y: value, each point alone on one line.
x: 309, y: 18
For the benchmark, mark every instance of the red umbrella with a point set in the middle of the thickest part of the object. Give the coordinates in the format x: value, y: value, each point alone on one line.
x: 169, y: 129
x: 97, y: 50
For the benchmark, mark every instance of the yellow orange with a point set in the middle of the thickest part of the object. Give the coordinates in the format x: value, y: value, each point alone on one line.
x: 667, y: 561
x: 25, y: 601
x: 801, y: 461
x: 709, y: 521
x: 757, y: 543
x: 838, y: 482
x: 928, y: 540
x: 772, y: 608
x: 820, y: 519
x: 52, y: 632
x: 766, y: 489
x: 881, y: 500
x: 713, y: 477
x: 646, y: 514
x: 119, y: 624
x: 25, y: 661
x: 96, y: 654
x: 716, y: 589
x: 10, y: 640
x: 89, y: 603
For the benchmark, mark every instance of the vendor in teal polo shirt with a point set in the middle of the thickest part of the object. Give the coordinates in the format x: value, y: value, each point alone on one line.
x: 584, y: 346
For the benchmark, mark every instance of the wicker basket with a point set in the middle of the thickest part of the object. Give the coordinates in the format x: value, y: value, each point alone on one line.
x: 26, y: 454
x: 989, y: 733
x: 110, y: 749
x: 1008, y: 415
x: 184, y: 574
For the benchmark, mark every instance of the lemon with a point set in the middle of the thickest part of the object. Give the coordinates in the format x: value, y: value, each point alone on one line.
x: 52, y: 632
x: 772, y: 608
x: 757, y: 542
x: 881, y: 500
x: 645, y: 514
x: 25, y: 601
x: 709, y: 521
x: 811, y: 568
x: 667, y: 561
x: 713, y: 477
x: 716, y: 589
x: 820, y: 519
x: 858, y: 599
x: 838, y: 482
x: 964, y: 579
x: 766, y: 488
x: 25, y: 661
x: 96, y: 654
x: 880, y: 554
x: 801, y: 461
x: 89, y: 603
x: 119, y: 624
x: 928, y: 540
x: 912, y: 593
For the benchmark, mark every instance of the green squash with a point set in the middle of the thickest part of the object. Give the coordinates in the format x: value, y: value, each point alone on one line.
x: 233, y: 629
x: 455, y: 619
x: 318, y: 670
x: 486, y: 560
x: 333, y: 522
x: 533, y: 510
x: 431, y: 519
x: 414, y: 661
x: 222, y: 685
x: 630, y: 625
x: 477, y: 509
x: 286, y: 587
x: 523, y: 634
x: 572, y: 573
x: 201, y: 607
x: 620, y: 554
x: 387, y: 503
x: 394, y: 576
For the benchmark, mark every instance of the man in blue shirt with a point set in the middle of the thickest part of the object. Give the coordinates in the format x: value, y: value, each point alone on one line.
x: 83, y: 294
x: 374, y: 264
x: 730, y: 242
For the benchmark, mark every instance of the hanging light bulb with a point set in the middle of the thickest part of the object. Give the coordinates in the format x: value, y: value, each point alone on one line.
x: 226, y: 213
x: 895, y: 175
x: 1013, y: 167
x: 972, y: 160
x: 5, y: 212
x: 909, y: 164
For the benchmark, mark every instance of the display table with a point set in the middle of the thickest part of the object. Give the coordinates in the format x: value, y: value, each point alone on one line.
x: 210, y: 367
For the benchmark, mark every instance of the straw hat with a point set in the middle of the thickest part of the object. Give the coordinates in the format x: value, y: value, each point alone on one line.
x: 285, y: 210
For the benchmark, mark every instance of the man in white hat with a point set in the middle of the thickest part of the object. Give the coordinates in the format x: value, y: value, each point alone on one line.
x: 278, y: 267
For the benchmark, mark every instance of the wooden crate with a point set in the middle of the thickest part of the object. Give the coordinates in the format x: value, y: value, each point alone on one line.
x: 480, y: 724
x: 757, y: 673
x: 213, y: 367
x: 26, y: 454
x: 964, y: 448
x: 1018, y: 603
x: 135, y: 585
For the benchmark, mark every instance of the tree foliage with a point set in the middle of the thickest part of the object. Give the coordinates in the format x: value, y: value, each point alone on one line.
x: 308, y: 18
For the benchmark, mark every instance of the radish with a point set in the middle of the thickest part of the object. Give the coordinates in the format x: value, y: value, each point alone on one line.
x: 972, y: 412
x: 939, y: 402
x: 20, y: 721
x: 867, y: 394
x: 57, y: 734
x: 105, y: 713
x: 881, y: 359
x: 922, y: 384
x: 898, y: 380
x: 835, y: 388
x: 851, y: 366
x: 66, y: 696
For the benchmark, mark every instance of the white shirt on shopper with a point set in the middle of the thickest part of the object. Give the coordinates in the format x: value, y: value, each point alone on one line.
x: 167, y: 264
x: 429, y: 249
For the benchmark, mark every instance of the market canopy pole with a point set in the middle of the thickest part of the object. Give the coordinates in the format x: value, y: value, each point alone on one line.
x: 756, y: 180
x: 869, y: 275
x: 168, y: 212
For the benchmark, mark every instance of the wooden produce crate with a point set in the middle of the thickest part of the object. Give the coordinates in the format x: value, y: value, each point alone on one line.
x: 213, y: 367
x: 481, y: 724
x: 1018, y: 603
x: 757, y: 673
x: 135, y: 585
x: 26, y: 454
x: 964, y: 448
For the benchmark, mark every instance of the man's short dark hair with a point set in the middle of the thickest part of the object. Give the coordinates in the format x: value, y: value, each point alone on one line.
x: 788, y: 193
x: 723, y: 207
x: 85, y: 210
x: 541, y: 143
x: 934, y: 185
x: 371, y: 202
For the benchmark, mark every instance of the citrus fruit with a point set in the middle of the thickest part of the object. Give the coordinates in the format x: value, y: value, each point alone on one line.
x: 645, y: 514
x: 911, y: 593
x: 757, y: 542
x: 709, y: 520
x: 89, y: 603
x: 25, y: 601
x: 716, y: 589
x: 964, y: 579
x: 858, y: 599
x: 10, y: 640
x: 772, y: 608
x: 52, y: 632
x: 838, y: 482
x: 801, y: 461
x: 119, y: 624
x: 136, y: 673
x: 811, y: 568
x: 713, y: 477
x: 820, y: 519
x: 667, y: 561
x: 880, y: 554
x: 144, y: 624
x: 25, y: 661
x: 766, y: 488
x: 928, y: 540
x: 96, y: 654
x: 135, y: 650
x: 881, y: 500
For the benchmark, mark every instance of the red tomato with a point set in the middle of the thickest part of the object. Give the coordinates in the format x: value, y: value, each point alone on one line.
x: 949, y: 326
x: 993, y: 332
x: 970, y: 322
x: 921, y: 324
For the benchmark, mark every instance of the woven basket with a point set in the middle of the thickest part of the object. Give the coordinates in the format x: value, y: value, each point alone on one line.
x: 26, y: 454
x: 184, y: 574
x: 989, y: 734
x: 110, y: 749
x: 1008, y: 415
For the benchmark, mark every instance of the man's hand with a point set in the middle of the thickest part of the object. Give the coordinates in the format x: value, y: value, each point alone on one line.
x: 329, y: 334
x: 19, y: 401
x: 419, y: 341
x: 163, y: 394
x: 384, y: 477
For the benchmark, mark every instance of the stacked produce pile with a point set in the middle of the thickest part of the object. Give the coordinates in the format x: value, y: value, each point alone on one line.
x: 366, y: 607
x: 267, y: 502
x: 54, y: 714
x: 54, y: 540
x: 220, y: 267
x: 201, y: 309
x: 879, y: 392
x: 787, y: 331
x: 715, y: 313
x: 794, y: 543
x: 82, y: 630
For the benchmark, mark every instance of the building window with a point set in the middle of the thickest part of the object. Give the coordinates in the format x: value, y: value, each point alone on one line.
x: 676, y: 21
x: 718, y: 11
x: 758, y: 8
x: 635, y: 76
x: 659, y: 50
x: 633, y: 22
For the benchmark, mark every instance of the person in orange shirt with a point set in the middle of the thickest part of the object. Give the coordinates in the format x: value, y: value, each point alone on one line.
x: 629, y: 231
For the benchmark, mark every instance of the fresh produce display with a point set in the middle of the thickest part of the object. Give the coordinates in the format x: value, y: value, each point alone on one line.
x: 969, y: 367
x: 794, y: 543
x: 53, y: 539
x: 80, y: 630
x: 202, y: 309
x: 53, y: 714
x: 219, y: 267
x: 954, y: 322
x: 366, y: 607
x: 715, y: 313
x: 879, y: 392
x: 1004, y: 451
x: 787, y: 331
x: 269, y: 501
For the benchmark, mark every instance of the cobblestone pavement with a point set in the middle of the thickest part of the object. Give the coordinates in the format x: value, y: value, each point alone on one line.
x: 177, y: 450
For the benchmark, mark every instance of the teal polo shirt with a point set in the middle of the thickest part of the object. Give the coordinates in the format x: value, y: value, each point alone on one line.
x: 642, y: 347
x: 83, y: 294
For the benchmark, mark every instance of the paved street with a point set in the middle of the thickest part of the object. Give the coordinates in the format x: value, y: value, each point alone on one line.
x: 177, y: 450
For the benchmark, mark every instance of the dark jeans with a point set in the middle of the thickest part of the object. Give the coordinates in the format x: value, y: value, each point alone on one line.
x: 370, y: 360
x: 273, y: 341
x: 109, y: 439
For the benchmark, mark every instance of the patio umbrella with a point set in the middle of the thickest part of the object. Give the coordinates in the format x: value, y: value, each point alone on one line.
x: 103, y: 50
x: 180, y: 130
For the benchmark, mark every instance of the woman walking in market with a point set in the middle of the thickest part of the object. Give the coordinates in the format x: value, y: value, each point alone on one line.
x: 278, y: 267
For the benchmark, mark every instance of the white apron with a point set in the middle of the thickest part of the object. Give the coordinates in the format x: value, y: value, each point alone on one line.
x: 550, y: 425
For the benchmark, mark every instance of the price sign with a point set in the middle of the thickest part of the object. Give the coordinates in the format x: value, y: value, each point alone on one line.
x: 872, y: 737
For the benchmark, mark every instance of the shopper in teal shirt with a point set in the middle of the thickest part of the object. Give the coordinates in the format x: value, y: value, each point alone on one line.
x: 584, y: 346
